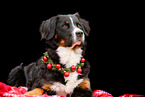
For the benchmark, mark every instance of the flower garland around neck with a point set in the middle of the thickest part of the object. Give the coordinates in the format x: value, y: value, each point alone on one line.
x: 65, y: 71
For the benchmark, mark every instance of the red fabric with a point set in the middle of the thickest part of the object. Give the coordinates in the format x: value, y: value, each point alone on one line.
x: 132, y: 95
x: 101, y: 93
x: 8, y: 91
x: 4, y: 88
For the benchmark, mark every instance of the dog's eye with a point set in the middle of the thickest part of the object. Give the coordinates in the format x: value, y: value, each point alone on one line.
x: 65, y: 26
x: 78, y: 25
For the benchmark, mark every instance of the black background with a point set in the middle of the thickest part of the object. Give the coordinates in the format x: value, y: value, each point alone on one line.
x: 115, y: 44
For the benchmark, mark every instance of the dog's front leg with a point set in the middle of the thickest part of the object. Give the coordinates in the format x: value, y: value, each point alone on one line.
x: 36, y: 91
x: 83, y: 90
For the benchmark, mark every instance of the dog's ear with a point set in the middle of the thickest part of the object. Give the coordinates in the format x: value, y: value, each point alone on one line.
x: 84, y: 23
x: 47, y: 28
x: 77, y: 14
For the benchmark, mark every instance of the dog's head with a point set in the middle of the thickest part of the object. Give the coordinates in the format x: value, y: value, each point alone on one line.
x: 65, y: 30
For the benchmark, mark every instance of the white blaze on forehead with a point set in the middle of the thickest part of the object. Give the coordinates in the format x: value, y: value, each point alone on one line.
x: 72, y: 22
x: 75, y: 29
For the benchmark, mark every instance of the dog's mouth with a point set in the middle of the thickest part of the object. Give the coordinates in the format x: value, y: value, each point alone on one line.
x: 76, y: 44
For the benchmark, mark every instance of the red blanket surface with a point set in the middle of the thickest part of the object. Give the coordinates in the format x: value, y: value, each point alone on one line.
x: 8, y: 91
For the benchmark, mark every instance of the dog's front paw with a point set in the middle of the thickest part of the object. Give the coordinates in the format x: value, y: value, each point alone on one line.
x: 36, y: 91
x: 71, y: 85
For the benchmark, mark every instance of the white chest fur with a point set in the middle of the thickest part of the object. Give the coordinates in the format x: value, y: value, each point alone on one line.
x: 68, y: 57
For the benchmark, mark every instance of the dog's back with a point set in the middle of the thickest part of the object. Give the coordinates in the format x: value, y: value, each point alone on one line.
x: 17, y: 76
x: 23, y: 75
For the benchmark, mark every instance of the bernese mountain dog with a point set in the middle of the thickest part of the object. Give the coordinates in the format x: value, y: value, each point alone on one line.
x: 65, y: 41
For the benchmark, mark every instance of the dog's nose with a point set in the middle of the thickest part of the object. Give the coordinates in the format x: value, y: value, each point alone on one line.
x: 79, y: 34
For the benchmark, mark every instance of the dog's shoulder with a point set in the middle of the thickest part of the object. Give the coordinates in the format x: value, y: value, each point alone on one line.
x: 37, y: 74
x: 33, y: 72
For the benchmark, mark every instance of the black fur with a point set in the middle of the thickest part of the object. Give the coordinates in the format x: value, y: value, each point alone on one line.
x: 78, y: 92
x: 85, y: 24
x: 17, y: 76
x: 47, y: 28
x: 35, y: 75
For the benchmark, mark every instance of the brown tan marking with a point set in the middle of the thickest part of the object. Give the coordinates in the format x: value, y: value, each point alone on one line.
x: 47, y: 87
x: 62, y: 43
x: 36, y: 91
x: 55, y: 36
x: 85, y: 84
x: 67, y: 22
